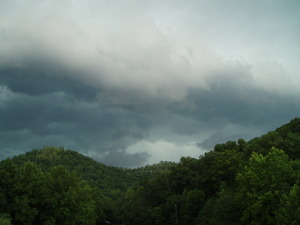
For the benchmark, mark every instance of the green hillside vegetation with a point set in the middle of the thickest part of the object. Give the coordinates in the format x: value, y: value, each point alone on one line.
x: 238, y: 182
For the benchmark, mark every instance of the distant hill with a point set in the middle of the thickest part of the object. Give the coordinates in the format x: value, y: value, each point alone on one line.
x: 107, y: 178
x: 28, y: 176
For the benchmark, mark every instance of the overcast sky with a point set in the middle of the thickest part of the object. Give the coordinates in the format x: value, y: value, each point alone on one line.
x: 131, y: 82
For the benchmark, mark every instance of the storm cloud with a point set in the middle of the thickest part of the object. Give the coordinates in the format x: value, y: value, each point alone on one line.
x: 136, y: 82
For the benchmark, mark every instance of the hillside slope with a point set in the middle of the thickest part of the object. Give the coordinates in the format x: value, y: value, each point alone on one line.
x: 237, y: 183
x: 107, y: 178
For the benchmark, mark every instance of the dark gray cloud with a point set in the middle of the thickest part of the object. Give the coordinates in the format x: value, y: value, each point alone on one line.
x: 40, y: 78
x: 38, y: 108
x: 231, y: 111
x: 129, y: 83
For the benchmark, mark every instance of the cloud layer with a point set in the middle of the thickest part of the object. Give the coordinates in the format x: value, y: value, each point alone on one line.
x: 130, y: 83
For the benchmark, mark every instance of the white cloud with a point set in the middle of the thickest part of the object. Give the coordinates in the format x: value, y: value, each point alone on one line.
x: 137, y: 59
x: 125, y: 48
x: 162, y: 150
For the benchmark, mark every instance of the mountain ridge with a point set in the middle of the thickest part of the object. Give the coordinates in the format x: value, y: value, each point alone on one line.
x: 236, y: 183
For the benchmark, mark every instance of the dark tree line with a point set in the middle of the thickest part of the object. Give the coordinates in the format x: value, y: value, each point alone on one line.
x: 31, y: 196
x: 255, y: 182
x: 57, y: 186
x: 251, y: 183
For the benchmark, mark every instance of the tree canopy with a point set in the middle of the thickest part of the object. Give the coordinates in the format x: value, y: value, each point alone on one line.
x: 238, y: 182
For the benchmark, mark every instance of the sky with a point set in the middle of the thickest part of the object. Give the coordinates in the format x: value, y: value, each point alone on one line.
x: 131, y: 83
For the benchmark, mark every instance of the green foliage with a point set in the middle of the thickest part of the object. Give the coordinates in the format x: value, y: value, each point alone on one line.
x: 31, y: 196
x: 99, y: 175
x: 229, y: 145
x: 290, y: 210
x: 286, y: 137
x: 206, y: 215
x: 227, y: 209
x: 62, y: 173
x: 262, y: 183
x: 5, y: 219
x: 135, y: 209
x: 67, y: 199
x: 216, y: 168
x: 191, y: 203
x: 222, y: 209
x: 237, y: 183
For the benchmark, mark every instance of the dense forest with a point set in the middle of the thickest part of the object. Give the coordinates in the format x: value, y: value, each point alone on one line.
x: 238, y: 182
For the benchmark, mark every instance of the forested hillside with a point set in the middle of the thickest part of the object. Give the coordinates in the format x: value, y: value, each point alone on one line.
x: 105, y: 185
x: 238, y: 182
x: 107, y: 178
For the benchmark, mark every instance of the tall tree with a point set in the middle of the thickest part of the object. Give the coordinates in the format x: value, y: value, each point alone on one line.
x: 262, y: 183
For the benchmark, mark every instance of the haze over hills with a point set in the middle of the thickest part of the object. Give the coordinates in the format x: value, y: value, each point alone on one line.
x: 238, y: 182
